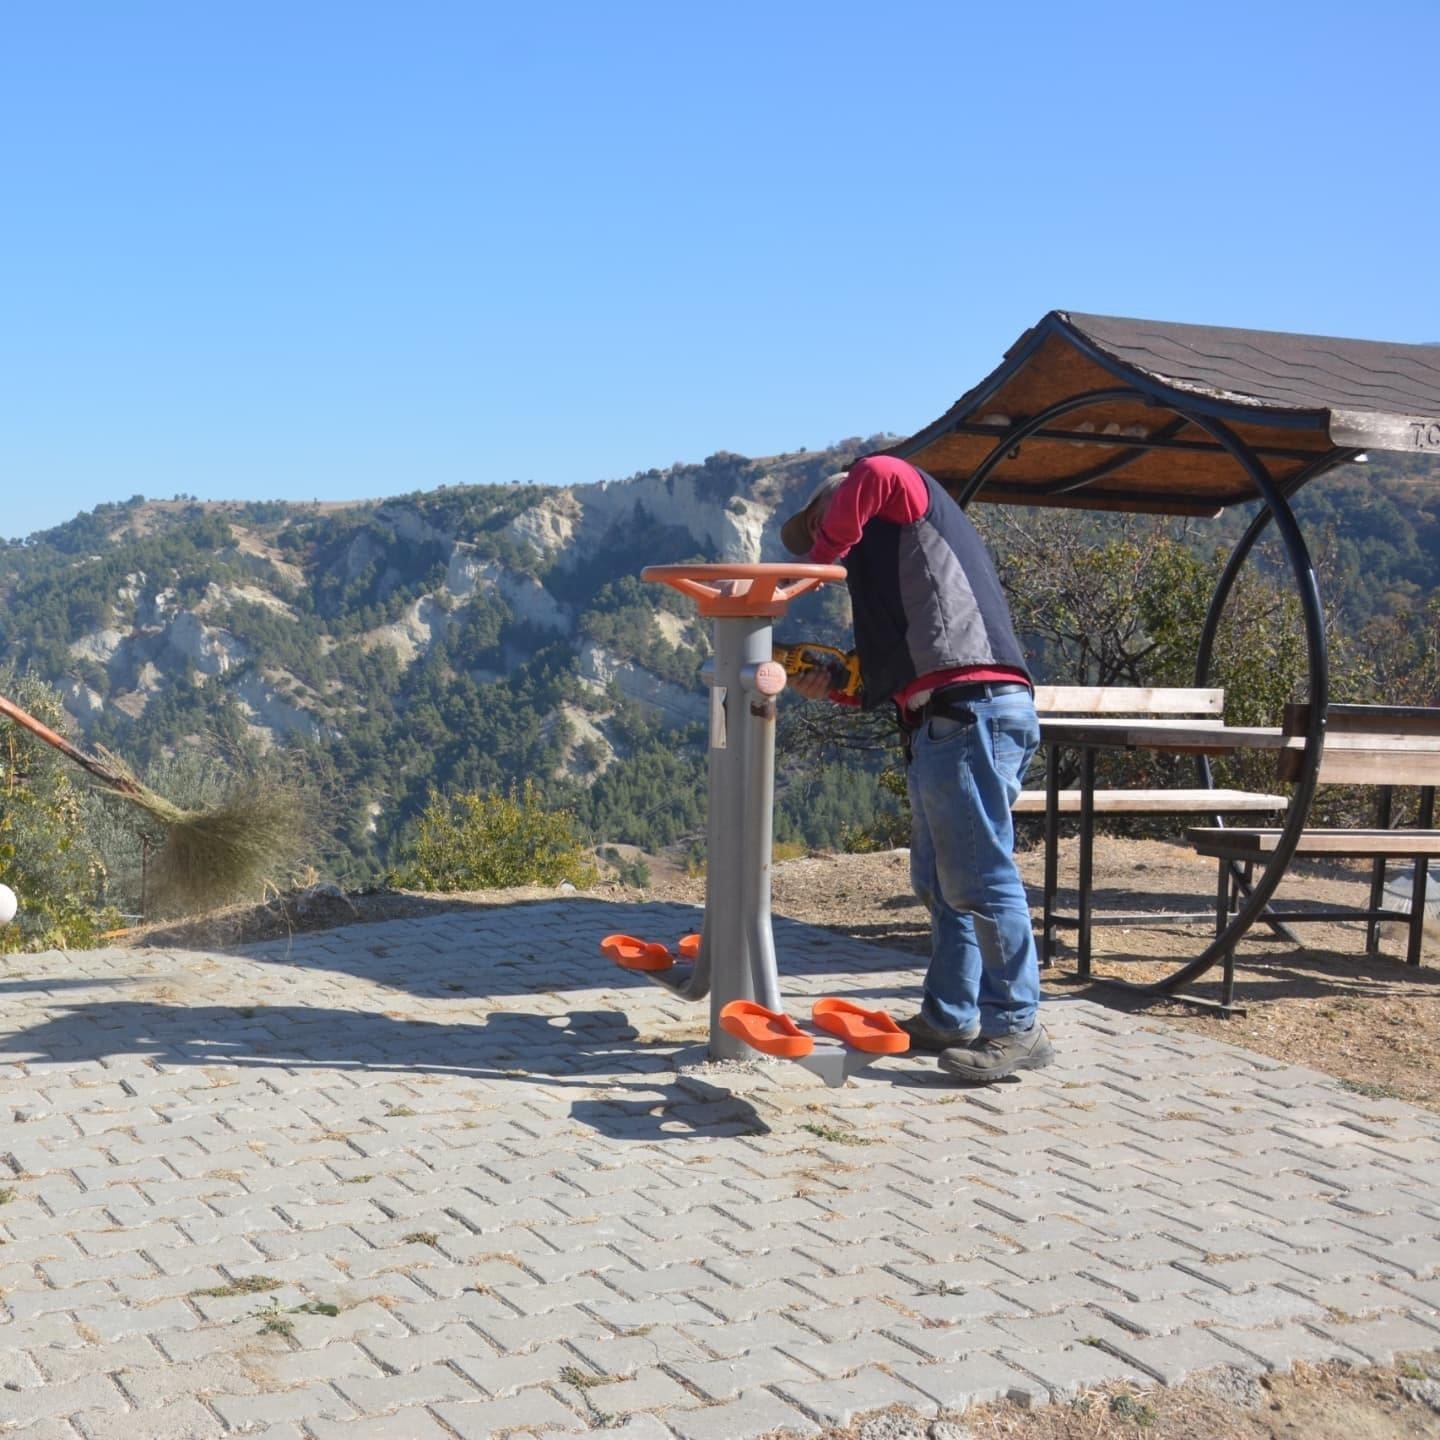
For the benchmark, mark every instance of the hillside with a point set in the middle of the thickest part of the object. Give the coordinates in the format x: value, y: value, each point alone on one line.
x: 470, y: 637
x: 458, y: 638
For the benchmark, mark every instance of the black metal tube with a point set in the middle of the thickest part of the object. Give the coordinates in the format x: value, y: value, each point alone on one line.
x: 1109, y: 467
x: 1419, y: 886
x: 1023, y: 431
x: 1160, y: 441
x: 1276, y: 508
x: 1318, y: 669
x: 1087, y: 857
x: 1052, y: 856
x: 1383, y: 817
x: 1223, y: 586
x: 1204, y: 653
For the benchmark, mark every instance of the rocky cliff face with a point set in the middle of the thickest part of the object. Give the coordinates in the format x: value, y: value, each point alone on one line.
x: 423, y: 571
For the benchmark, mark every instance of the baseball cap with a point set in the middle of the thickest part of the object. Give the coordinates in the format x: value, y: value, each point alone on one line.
x: 795, y: 532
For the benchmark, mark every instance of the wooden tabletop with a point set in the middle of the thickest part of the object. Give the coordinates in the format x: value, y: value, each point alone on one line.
x: 1210, y: 737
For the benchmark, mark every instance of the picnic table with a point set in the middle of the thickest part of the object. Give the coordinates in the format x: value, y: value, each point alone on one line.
x: 1091, y: 734
x: 1381, y: 747
x: 1116, y: 414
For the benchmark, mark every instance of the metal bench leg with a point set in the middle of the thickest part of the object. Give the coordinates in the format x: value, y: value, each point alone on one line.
x: 1227, y: 978
x: 1377, y: 876
x: 1226, y: 899
x: 1421, y: 883
x: 1242, y: 876
x: 1052, y: 855
x: 1087, y: 855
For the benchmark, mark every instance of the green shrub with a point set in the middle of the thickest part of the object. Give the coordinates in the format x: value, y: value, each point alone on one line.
x: 47, y: 856
x: 488, y: 841
x: 890, y: 829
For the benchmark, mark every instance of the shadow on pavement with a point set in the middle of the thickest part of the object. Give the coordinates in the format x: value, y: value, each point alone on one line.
x: 585, y: 1048
x: 527, y: 948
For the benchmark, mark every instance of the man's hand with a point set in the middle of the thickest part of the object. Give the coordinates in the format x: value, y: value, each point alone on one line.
x: 812, y: 684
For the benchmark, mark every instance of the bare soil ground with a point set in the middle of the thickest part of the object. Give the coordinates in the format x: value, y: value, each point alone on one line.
x: 1325, y: 1402
x: 1369, y: 1020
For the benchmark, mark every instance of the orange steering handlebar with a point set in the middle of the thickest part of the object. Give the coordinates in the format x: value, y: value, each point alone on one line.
x: 741, y: 589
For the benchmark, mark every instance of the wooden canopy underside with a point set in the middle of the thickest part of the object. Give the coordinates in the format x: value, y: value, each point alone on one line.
x: 1299, y: 404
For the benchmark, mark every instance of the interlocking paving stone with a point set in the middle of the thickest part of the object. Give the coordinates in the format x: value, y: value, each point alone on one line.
x: 1266, y: 1305
x: 54, y: 1402
x: 473, y: 1137
x: 1155, y: 1317
x: 1064, y: 1374
x: 1034, y: 1334
x: 304, y: 1404
x: 153, y: 1384
x: 637, y: 1427
x: 412, y: 1423
x: 726, y: 1379
x: 482, y: 1420
x: 750, y: 1417
x: 980, y: 1380
x: 838, y: 1402
x: 1380, y: 1339
x: 185, y: 1419
x: 951, y: 1343
x: 1173, y: 1358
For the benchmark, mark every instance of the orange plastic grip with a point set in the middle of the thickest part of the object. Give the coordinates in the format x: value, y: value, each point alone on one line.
x: 759, y: 590
x: 870, y: 1030
x: 770, y: 1031
x: 633, y: 954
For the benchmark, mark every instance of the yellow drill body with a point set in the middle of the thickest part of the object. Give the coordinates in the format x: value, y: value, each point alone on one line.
x: 842, y: 666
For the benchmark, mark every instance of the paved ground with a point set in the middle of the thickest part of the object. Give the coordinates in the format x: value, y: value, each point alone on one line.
x: 462, y: 1153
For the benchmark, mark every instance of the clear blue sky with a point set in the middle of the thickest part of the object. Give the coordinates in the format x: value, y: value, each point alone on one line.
x: 319, y: 249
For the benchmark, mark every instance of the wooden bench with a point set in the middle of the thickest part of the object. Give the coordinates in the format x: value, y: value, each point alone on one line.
x: 1384, y: 746
x: 1147, y: 703
x: 1200, y: 706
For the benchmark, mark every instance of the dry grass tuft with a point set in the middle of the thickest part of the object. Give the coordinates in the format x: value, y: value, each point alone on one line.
x: 230, y: 852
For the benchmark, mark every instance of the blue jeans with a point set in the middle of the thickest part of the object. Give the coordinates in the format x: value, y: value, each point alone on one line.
x: 963, y: 777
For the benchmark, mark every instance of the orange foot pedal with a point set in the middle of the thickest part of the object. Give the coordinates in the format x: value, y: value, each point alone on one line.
x: 689, y: 946
x: 633, y: 954
x: 872, y: 1031
x: 770, y: 1031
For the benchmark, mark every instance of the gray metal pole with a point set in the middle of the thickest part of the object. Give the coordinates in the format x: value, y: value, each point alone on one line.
x: 737, y: 894
x: 757, y: 830
x: 736, y: 960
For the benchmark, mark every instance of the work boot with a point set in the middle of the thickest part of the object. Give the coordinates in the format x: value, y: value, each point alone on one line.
x: 997, y: 1056
x: 925, y: 1036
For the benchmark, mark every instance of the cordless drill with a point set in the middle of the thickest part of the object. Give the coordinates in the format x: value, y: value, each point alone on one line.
x: 842, y: 666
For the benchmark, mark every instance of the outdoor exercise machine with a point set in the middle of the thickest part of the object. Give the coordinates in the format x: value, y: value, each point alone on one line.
x: 732, y: 959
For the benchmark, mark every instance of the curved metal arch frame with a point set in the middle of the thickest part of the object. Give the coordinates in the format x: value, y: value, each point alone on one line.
x: 1275, y: 508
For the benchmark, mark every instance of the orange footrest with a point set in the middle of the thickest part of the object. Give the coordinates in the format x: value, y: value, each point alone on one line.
x: 870, y: 1030
x: 769, y: 1031
x: 633, y: 954
x: 689, y: 946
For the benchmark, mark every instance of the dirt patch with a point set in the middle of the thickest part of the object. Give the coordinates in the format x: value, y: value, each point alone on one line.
x: 1325, y: 1402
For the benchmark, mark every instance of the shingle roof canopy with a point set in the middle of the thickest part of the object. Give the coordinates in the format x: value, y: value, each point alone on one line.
x: 1147, y: 440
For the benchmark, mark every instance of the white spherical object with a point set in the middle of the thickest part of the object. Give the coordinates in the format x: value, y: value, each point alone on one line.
x: 8, y: 905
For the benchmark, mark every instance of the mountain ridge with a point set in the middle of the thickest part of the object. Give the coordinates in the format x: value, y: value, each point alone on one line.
x: 378, y: 626
x: 476, y: 636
